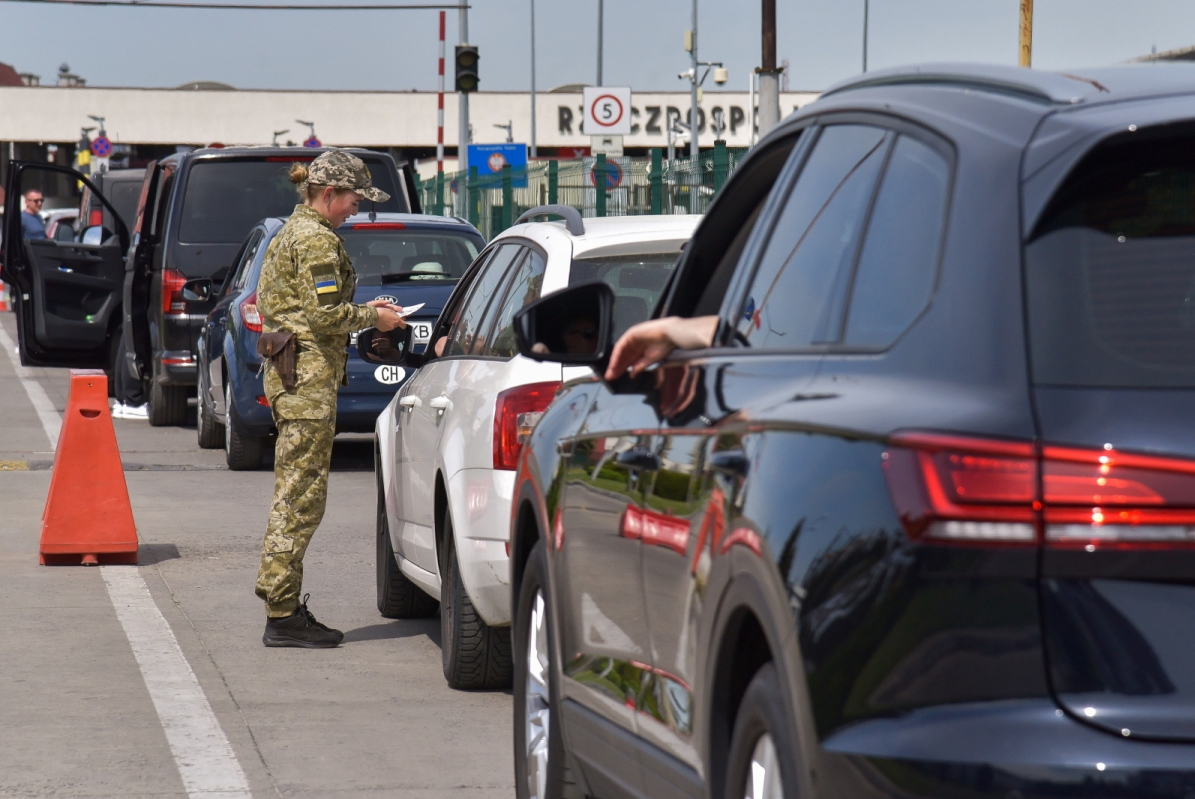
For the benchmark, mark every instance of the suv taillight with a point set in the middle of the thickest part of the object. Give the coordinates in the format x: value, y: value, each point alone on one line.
x: 172, y: 292
x: 249, y: 313
x: 956, y: 489
x: 515, y: 415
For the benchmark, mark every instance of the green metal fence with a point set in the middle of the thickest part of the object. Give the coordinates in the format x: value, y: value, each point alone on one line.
x: 634, y: 187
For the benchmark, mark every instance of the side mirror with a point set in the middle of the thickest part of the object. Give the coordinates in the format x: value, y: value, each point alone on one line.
x: 389, y: 347
x: 64, y: 233
x: 197, y: 290
x: 572, y: 326
x: 95, y: 235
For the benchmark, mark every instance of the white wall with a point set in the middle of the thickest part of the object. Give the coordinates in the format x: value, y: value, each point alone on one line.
x: 365, y: 119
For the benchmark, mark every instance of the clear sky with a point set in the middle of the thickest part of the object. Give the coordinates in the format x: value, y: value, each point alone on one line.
x: 396, y: 50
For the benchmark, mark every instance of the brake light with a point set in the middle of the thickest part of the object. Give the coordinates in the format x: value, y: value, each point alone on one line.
x: 172, y: 292
x: 959, y: 489
x: 96, y: 217
x: 515, y: 415
x: 1104, y: 498
x: 378, y: 226
x: 964, y: 490
x: 249, y: 313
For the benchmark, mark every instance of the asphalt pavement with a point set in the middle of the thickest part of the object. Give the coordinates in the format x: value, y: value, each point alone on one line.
x: 86, y: 710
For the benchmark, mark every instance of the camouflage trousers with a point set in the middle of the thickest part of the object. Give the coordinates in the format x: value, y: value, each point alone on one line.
x: 301, y: 461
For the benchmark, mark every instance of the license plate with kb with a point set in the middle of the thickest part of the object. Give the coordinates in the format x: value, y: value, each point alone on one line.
x: 421, y: 332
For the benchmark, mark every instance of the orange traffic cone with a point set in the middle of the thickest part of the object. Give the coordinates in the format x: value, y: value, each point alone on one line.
x: 88, y: 518
x: 3, y: 297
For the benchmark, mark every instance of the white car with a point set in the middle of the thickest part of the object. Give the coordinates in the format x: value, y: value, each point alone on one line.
x: 449, y: 441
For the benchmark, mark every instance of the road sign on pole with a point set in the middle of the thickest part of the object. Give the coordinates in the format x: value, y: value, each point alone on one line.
x: 101, y: 146
x: 607, y: 110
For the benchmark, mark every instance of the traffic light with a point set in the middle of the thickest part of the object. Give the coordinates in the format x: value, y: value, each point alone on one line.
x: 466, y: 68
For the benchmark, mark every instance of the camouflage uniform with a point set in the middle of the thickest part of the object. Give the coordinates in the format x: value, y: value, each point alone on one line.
x: 306, y: 288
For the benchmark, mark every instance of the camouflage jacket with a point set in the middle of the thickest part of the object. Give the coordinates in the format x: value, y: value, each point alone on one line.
x: 306, y: 288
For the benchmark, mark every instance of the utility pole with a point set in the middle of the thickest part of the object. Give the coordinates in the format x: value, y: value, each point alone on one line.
x: 1026, y: 48
x: 534, y: 154
x: 866, y: 19
x: 694, y: 149
x: 769, y: 76
x: 600, y: 27
x: 462, y: 136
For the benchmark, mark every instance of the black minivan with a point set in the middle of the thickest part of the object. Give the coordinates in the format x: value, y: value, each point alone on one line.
x: 151, y: 278
x: 921, y: 521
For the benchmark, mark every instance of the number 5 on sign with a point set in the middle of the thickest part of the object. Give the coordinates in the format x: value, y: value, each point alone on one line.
x: 607, y: 110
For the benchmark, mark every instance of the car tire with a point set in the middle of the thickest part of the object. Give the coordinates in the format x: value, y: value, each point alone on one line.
x: 398, y: 597
x: 242, y: 452
x: 475, y: 655
x: 167, y: 404
x: 541, y: 768
x: 209, y: 432
x: 761, y: 764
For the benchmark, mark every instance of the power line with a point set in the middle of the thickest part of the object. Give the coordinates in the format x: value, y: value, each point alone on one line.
x: 245, y: 6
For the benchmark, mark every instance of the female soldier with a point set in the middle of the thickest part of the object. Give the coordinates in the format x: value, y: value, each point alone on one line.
x: 306, y: 288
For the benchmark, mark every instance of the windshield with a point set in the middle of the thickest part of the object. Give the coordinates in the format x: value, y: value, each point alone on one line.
x: 637, y: 281
x: 385, y: 256
x: 224, y: 199
x: 1110, y: 270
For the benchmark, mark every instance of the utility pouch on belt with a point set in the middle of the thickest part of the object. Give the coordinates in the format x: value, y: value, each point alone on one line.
x: 280, y: 349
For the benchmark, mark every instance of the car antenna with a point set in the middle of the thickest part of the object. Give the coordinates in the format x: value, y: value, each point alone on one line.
x: 373, y: 211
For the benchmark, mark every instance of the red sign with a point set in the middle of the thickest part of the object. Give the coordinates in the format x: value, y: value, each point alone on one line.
x: 312, y: 142
x: 101, y: 147
x: 573, y: 152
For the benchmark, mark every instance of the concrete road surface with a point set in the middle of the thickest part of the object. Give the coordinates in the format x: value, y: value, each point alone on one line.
x: 96, y: 703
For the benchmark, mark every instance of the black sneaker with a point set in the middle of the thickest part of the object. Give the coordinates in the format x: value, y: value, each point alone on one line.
x: 301, y: 629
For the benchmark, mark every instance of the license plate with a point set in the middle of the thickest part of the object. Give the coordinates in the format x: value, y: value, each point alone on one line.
x: 421, y: 332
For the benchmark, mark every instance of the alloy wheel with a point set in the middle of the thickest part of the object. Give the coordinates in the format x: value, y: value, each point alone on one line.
x: 537, y: 707
x: 763, y: 781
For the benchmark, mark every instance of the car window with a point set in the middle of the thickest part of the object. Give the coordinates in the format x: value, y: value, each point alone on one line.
x: 224, y: 199
x: 637, y: 281
x: 899, y: 259
x: 806, y: 263
x: 384, y: 255
x: 244, y: 267
x: 522, y: 288
x: 467, y: 334
x: 1110, y: 270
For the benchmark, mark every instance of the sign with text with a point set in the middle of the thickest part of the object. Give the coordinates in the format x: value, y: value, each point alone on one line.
x: 490, y: 158
x: 607, y: 110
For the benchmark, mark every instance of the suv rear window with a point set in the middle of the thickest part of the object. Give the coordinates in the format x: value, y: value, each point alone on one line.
x: 1110, y: 270
x: 224, y: 199
x: 382, y: 257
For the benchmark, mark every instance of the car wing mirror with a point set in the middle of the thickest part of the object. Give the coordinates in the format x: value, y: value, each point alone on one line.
x: 95, y: 234
x: 64, y: 233
x: 197, y: 290
x: 572, y: 326
x: 385, y: 347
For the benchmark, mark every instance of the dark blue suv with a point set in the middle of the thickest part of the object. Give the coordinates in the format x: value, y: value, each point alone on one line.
x: 920, y: 521
x: 409, y: 258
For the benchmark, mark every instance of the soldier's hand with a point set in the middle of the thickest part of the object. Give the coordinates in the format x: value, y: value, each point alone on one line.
x: 388, y: 319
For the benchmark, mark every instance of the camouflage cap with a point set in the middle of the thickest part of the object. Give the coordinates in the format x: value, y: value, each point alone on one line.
x: 343, y: 170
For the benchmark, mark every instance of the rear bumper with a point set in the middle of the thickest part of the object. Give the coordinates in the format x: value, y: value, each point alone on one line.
x: 1014, y: 748
x: 175, y: 360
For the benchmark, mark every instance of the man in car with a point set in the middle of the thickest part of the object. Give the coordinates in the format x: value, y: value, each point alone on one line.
x: 32, y: 226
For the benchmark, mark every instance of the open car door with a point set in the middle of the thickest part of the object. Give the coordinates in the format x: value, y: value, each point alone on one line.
x: 66, y: 294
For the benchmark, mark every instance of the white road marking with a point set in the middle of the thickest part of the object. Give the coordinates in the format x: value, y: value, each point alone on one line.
x: 205, y: 759
x: 202, y: 753
x: 50, y: 420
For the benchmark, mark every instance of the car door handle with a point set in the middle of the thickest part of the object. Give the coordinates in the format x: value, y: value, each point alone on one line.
x: 440, y: 403
x: 410, y: 402
x: 638, y: 459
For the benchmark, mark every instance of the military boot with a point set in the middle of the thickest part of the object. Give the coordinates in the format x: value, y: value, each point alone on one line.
x: 301, y: 629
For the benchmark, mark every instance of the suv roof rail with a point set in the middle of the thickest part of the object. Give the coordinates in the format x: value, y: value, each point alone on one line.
x: 1049, y: 87
x: 571, y: 216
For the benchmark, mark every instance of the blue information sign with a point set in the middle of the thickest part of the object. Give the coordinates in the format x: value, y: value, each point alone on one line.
x: 490, y: 158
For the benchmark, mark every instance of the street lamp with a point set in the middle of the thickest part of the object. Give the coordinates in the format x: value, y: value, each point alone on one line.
x: 509, y: 127
x: 278, y: 133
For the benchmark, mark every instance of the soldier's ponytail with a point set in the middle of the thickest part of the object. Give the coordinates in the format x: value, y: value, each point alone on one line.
x: 308, y: 192
x: 298, y: 173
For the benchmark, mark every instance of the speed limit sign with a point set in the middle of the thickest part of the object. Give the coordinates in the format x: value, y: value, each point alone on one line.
x: 607, y: 110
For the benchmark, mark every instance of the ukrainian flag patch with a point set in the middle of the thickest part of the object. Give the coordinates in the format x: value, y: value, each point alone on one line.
x: 325, y: 287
